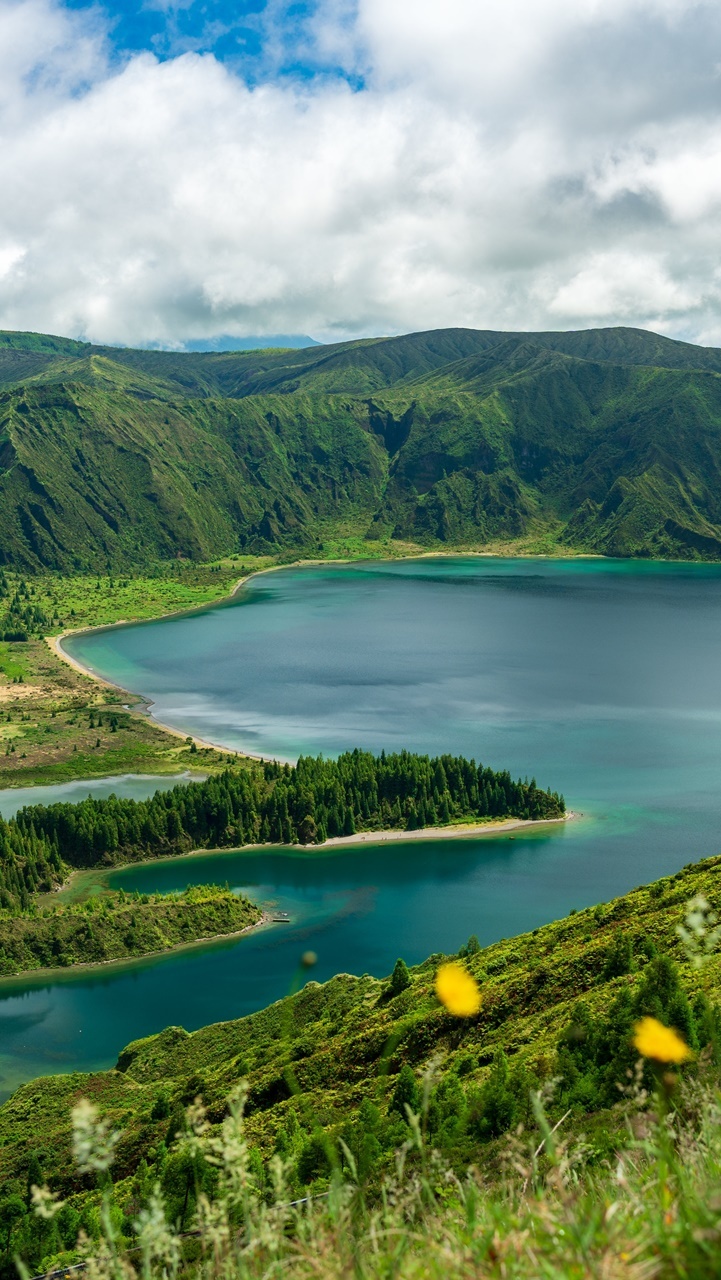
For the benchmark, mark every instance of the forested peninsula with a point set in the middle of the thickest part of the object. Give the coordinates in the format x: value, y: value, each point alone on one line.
x: 119, y: 926
x: 272, y: 803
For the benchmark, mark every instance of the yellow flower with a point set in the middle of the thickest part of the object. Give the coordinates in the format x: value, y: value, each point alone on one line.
x: 653, y: 1040
x: 457, y: 990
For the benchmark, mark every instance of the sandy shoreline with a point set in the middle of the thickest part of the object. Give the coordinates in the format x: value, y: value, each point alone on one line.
x: 455, y: 832
x: 443, y: 833
x: 55, y: 644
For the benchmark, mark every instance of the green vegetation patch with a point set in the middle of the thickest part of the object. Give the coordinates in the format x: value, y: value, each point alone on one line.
x: 119, y: 926
x: 57, y: 724
x: 45, y: 603
x: 332, y: 1070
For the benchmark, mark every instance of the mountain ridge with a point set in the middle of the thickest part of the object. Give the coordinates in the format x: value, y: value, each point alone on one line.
x: 606, y: 441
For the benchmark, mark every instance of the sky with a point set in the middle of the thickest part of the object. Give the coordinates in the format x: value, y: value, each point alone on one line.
x: 171, y: 172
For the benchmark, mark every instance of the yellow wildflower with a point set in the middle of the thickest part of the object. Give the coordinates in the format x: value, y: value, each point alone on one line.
x: 457, y: 990
x: 660, y: 1043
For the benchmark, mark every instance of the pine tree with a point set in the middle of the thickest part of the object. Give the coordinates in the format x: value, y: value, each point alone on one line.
x: 405, y: 1093
x: 400, y: 978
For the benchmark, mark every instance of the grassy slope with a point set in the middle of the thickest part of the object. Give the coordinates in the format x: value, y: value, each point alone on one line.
x: 607, y: 439
x: 47, y: 718
x: 118, y: 926
x: 346, y: 1040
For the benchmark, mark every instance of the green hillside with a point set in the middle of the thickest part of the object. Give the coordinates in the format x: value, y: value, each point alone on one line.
x: 604, y: 440
x: 330, y: 1068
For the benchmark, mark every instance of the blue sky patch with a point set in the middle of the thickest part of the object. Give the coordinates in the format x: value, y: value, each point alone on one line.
x: 254, y: 39
x: 227, y: 30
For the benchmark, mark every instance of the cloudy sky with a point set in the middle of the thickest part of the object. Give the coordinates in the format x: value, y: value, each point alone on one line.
x: 174, y: 171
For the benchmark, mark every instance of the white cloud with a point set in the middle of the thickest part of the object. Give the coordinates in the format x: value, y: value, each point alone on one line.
x: 10, y: 256
x: 520, y: 163
x: 617, y: 285
x: 679, y: 168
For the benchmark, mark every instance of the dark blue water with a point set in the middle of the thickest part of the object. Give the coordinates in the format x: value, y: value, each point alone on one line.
x: 601, y: 678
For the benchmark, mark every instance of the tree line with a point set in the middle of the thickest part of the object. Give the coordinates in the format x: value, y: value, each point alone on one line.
x: 308, y: 803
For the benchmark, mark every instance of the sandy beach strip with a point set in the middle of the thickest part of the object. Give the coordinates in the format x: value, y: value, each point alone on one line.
x: 456, y: 832
x: 55, y: 644
x: 138, y: 706
x: 442, y: 833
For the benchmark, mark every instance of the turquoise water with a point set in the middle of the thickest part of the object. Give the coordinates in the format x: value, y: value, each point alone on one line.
x: 601, y: 678
x: 133, y: 786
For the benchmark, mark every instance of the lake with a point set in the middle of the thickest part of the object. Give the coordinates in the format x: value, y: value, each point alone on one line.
x: 601, y: 678
x: 133, y: 786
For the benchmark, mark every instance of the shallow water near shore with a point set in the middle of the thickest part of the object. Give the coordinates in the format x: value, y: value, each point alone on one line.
x: 600, y: 678
x: 131, y: 786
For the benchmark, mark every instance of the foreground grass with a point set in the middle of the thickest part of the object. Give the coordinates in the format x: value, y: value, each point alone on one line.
x: 650, y: 1212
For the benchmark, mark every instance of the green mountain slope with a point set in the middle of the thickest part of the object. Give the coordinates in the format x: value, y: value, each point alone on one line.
x: 625, y: 347
x: 96, y: 475
x: 559, y: 1003
x: 367, y: 365
x: 628, y: 457
x: 350, y: 367
x: 608, y: 440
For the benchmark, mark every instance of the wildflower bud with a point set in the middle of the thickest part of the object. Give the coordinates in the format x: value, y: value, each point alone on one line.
x: 45, y: 1203
x: 660, y: 1043
x: 308, y: 959
x: 457, y: 990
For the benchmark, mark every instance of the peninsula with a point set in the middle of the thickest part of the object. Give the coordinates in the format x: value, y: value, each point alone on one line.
x: 117, y: 926
x: 270, y: 803
x: 315, y: 803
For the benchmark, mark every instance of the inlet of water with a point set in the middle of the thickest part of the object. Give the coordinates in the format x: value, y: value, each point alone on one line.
x: 600, y: 678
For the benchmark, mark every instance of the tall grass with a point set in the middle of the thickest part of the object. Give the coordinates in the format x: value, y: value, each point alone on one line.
x: 654, y: 1211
